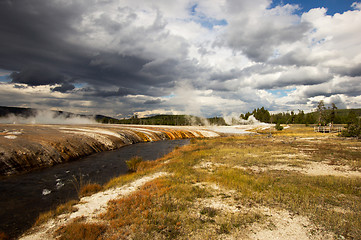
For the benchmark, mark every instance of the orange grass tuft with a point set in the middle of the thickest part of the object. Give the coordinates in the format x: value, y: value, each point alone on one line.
x: 90, y: 189
x: 79, y: 231
x: 145, y: 211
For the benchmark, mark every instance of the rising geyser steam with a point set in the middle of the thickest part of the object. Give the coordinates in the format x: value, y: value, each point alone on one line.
x: 47, y: 117
x: 236, y: 120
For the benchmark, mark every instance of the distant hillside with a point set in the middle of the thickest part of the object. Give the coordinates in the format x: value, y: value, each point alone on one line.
x: 105, y: 119
x: 22, y: 112
x: 31, y: 112
x: 346, y: 112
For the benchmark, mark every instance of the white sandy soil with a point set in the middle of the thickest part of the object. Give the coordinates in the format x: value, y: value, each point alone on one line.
x: 88, y: 207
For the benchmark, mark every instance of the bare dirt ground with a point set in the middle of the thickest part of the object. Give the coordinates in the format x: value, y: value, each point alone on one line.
x: 277, y: 224
x: 280, y: 223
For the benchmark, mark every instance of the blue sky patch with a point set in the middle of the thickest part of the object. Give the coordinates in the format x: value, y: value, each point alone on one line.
x: 281, y: 92
x: 169, y: 96
x: 5, y: 78
x: 79, y: 85
x: 333, y: 6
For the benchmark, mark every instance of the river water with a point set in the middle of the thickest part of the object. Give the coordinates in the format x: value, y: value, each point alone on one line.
x: 23, y: 197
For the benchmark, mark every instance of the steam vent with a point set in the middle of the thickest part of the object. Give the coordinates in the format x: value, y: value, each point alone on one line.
x: 27, y: 147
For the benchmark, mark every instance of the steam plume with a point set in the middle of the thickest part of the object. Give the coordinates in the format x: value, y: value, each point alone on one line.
x: 47, y: 117
x: 234, y: 119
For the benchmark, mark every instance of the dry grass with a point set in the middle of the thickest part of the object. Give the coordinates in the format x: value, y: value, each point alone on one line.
x: 81, y: 231
x: 148, y: 210
x: 317, y: 197
x: 225, y: 198
x: 63, y: 208
x: 90, y: 189
x: 144, y: 168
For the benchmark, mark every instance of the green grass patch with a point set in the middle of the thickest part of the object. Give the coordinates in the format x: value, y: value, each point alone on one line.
x: 133, y: 163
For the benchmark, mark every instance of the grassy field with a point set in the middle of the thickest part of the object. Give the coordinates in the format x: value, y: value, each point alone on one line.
x: 287, y: 184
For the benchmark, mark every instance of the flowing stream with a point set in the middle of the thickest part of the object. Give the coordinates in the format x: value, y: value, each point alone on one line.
x: 23, y: 197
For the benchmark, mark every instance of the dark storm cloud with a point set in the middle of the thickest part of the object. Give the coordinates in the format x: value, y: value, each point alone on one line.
x: 121, y: 92
x: 168, y: 68
x: 33, y: 32
x: 114, y: 69
x: 19, y: 86
x: 36, y: 76
x: 64, y: 88
x: 35, y: 45
x: 153, y: 102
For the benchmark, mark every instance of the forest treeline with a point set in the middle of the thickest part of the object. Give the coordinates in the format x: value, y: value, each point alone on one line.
x: 174, y: 120
x: 321, y: 115
x: 339, y: 116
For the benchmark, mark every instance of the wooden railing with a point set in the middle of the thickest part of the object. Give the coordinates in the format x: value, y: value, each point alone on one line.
x: 328, y: 129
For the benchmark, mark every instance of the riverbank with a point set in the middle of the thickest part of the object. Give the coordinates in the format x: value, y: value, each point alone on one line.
x: 245, y: 187
x: 25, y: 196
x: 27, y: 147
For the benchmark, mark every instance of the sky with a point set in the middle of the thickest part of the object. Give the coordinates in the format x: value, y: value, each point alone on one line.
x: 206, y: 58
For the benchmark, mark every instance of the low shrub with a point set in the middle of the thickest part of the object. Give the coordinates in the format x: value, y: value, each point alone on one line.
x: 133, y: 163
x: 209, y: 211
x: 278, y: 127
x: 353, y: 130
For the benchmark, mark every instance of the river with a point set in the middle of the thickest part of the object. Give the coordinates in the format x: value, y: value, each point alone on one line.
x: 23, y: 197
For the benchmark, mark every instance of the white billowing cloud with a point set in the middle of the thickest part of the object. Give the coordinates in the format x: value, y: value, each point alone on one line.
x: 336, y: 34
x: 257, y: 31
x: 130, y: 31
x: 338, y: 100
x: 348, y: 87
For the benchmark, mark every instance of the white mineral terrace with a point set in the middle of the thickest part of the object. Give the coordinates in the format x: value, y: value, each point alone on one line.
x: 57, y: 143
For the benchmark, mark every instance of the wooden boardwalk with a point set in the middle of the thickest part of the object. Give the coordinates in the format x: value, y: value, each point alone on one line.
x: 328, y: 129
